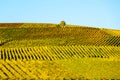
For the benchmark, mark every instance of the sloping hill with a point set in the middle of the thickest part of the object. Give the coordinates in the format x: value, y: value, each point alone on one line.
x: 26, y: 25
x: 48, y: 51
x: 112, y: 32
x: 57, y: 36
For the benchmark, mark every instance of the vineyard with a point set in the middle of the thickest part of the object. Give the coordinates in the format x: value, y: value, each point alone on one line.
x: 112, y: 32
x: 48, y: 51
x: 59, y: 52
x: 57, y: 36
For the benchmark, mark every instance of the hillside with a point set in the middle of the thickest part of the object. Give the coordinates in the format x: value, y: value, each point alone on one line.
x: 112, y: 32
x: 48, y: 51
x: 25, y: 25
x: 49, y: 35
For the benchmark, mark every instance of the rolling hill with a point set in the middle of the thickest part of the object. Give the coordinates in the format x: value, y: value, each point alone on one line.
x: 75, y: 52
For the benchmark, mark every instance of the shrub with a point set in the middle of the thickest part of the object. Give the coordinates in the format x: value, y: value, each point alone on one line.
x: 62, y: 24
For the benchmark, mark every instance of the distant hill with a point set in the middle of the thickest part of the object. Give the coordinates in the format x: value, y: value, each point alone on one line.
x: 52, y: 34
x: 26, y: 25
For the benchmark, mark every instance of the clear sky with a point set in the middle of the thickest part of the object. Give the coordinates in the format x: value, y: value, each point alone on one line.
x: 95, y: 13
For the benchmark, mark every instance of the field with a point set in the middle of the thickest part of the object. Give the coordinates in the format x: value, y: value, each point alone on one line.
x: 48, y: 51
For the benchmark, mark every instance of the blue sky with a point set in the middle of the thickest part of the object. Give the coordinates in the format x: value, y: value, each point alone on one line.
x: 95, y: 13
